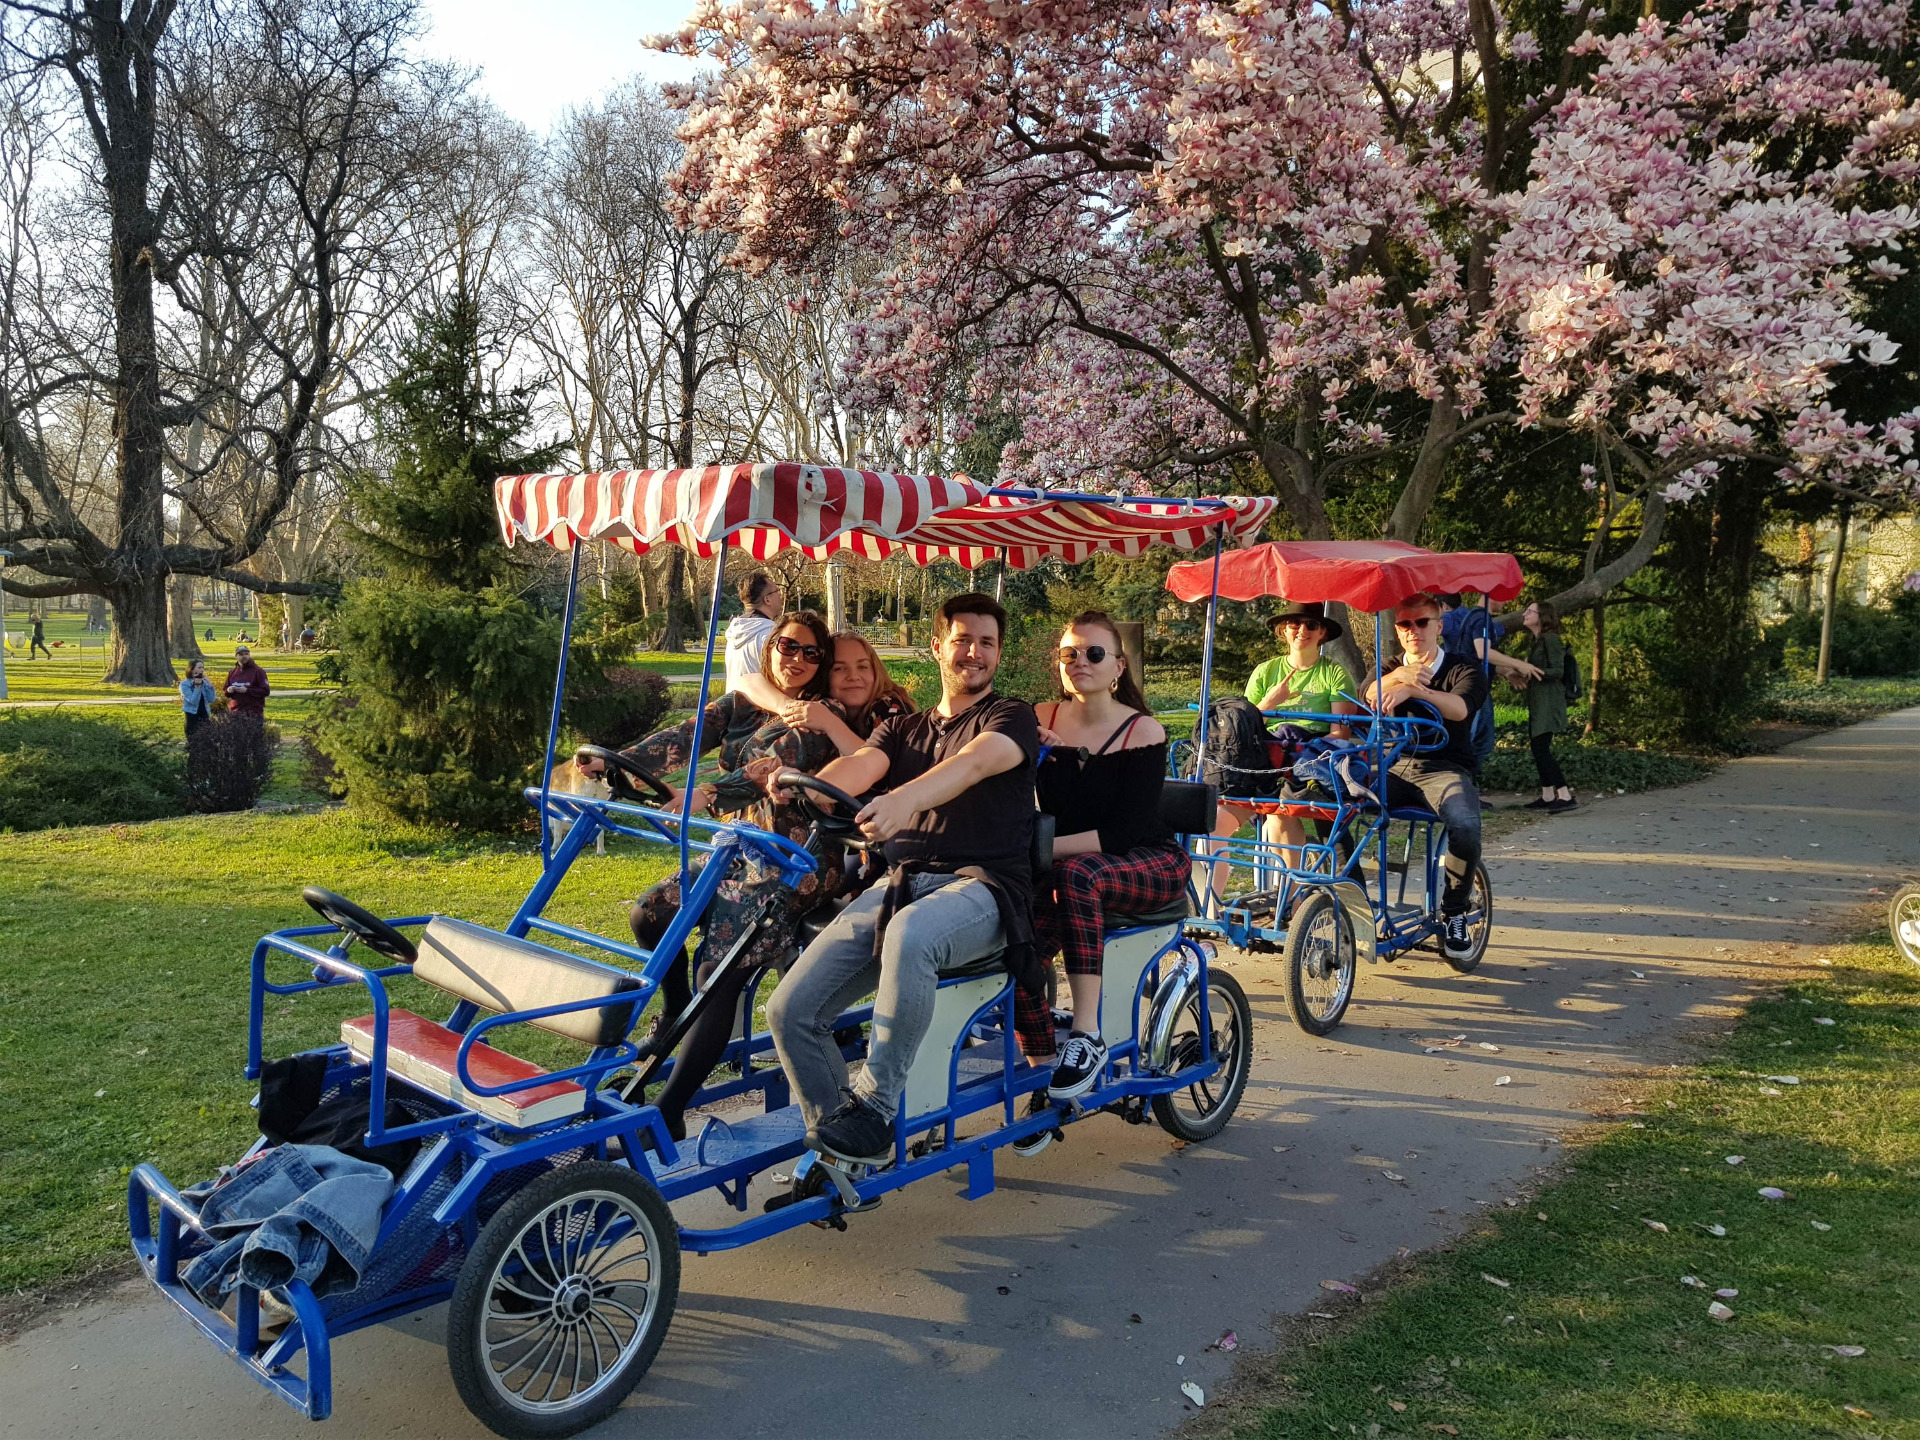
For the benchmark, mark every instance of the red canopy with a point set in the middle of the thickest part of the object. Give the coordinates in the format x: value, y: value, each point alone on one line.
x: 1367, y: 574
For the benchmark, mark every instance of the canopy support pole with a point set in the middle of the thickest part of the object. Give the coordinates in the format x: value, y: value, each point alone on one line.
x: 559, y: 689
x: 1000, y: 580
x: 700, y: 705
x: 1206, y: 655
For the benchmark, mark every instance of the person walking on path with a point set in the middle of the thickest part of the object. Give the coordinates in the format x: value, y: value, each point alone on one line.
x: 247, y: 688
x: 39, y: 641
x: 747, y: 634
x: 197, y: 696
x: 1547, y: 705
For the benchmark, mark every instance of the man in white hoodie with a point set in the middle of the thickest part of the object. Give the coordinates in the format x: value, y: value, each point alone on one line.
x: 747, y: 634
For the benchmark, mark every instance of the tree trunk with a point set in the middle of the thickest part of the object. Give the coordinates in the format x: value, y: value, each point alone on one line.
x: 1829, y: 594
x: 1429, y: 469
x: 1803, y: 571
x: 296, y: 608
x: 1597, y: 668
x: 182, y: 643
x: 140, y: 634
x: 673, y: 638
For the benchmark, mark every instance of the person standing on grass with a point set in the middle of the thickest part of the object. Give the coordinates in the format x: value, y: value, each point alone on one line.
x: 747, y: 634
x: 197, y: 696
x: 39, y: 641
x: 1547, y: 705
x: 247, y: 688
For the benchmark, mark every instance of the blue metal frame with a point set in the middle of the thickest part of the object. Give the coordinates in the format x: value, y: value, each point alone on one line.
x: 725, y: 1157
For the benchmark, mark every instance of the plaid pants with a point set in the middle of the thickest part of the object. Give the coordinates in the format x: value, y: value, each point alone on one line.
x: 1069, y: 916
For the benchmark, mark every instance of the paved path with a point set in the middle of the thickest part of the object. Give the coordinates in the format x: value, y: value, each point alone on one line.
x: 1621, y: 926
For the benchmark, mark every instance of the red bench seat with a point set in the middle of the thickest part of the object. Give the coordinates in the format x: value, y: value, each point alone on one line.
x: 424, y: 1053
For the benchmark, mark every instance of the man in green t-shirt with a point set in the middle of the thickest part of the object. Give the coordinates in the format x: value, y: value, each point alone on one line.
x: 1302, y: 681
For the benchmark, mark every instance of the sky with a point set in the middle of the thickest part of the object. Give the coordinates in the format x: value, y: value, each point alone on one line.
x: 538, y: 57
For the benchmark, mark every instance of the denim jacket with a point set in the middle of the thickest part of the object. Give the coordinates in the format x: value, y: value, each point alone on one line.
x: 197, y: 696
x: 297, y: 1212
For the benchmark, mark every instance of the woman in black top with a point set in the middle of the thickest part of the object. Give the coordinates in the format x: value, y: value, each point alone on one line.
x: 1101, y: 783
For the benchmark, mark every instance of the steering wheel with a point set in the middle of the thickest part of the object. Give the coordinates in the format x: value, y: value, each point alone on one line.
x: 363, y: 925
x: 622, y: 767
x: 838, y: 822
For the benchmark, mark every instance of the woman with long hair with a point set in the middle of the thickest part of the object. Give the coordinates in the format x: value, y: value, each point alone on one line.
x: 861, y: 693
x: 1101, y: 782
x: 1547, y: 705
x: 752, y: 745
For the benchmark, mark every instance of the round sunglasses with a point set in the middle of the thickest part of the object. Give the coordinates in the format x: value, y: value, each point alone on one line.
x: 790, y: 647
x: 1070, y: 653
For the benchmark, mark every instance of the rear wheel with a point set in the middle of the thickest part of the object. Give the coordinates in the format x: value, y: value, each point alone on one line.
x: 563, y: 1301
x: 1479, y: 922
x: 1202, y: 1110
x: 1903, y: 921
x: 1320, y: 963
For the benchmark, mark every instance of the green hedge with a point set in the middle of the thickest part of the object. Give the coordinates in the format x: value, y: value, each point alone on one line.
x: 1595, y: 768
x: 58, y: 769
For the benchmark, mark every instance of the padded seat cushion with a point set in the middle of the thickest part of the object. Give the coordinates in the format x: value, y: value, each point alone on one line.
x: 993, y: 964
x: 1168, y: 914
x: 501, y: 973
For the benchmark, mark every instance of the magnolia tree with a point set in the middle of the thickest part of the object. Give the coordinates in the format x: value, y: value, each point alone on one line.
x: 1178, y: 237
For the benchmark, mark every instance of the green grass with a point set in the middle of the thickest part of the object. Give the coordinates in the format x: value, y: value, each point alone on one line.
x: 1597, y: 1337
x: 1841, y: 701
x: 123, y: 970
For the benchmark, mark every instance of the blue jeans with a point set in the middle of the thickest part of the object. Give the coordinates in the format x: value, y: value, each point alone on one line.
x: 298, y: 1212
x: 951, y: 920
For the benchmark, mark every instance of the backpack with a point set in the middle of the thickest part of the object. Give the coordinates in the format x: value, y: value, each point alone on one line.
x: 1238, y: 761
x: 1570, y: 673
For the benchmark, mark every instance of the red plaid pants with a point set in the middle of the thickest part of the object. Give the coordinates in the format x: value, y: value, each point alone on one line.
x: 1069, y: 916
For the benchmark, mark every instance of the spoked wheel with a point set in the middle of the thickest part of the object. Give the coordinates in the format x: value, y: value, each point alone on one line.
x: 1320, y: 963
x: 1903, y: 921
x: 1479, y: 922
x: 1202, y: 1110
x: 563, y: 1302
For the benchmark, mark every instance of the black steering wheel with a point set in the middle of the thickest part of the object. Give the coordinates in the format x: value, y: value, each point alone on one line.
x: 621, y: 768
x: 363, y: 925
x: 839, y: 821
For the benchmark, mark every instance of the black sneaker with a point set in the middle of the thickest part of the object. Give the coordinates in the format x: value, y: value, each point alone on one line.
x: 856, y: 1133
x: 1560, y: 807
x: 1081, y: 1060
x: 1040, y: 1139
x: 1456, y: 938
x: 1539, y: 805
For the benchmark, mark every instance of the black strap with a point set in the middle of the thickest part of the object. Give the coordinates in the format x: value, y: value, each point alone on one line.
x: 1125, y: 725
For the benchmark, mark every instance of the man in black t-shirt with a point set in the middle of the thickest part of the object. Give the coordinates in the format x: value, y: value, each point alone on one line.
x: 956, y: 820
x: 1455, y: 685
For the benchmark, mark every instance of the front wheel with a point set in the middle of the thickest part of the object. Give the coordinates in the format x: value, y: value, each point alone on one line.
x: 1320, y: 962
x: 1903, y: 922
x: 563, y: 1301
x: 1202, y: 1110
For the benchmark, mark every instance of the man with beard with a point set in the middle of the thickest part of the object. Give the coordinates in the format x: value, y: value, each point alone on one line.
x: 956, y: 820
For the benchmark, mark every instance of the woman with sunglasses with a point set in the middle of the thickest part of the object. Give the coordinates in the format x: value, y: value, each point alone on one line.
x: 1111, y: 853
x: 861, y: 694
x: 752, y: 745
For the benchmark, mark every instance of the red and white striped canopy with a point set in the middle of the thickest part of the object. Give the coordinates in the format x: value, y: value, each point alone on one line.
x: 767, y: 507
x: 823, y: 509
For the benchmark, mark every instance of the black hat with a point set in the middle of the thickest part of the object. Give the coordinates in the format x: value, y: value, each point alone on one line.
x: 1313, y: 610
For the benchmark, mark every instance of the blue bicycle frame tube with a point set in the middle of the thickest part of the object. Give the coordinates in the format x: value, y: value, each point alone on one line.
x: 1206, y: 655
x: 700, y: 705
x: 559, y: 689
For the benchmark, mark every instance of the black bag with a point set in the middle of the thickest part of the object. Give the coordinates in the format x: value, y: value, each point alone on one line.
x: 1238, y: 762
x: 1570, y: 674
x: 292, y: 1113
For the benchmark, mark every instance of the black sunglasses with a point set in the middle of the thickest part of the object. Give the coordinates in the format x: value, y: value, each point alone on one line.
x: 1071, y: 653
x: 790, y: 647
x: 1420, y: 624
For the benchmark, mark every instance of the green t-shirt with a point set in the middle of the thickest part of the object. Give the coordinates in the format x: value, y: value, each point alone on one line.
x: 1314, y: 689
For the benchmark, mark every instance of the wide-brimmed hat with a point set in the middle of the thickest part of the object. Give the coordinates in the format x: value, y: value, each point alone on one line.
x: 1313, y: 610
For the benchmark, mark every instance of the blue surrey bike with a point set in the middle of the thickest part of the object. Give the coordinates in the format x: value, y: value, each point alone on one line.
x: 540, y: 1202
x: 1368, y: 883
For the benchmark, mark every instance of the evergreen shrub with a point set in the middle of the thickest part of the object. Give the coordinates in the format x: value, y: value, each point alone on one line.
x: 58, y: 769
x: 229, y: 760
